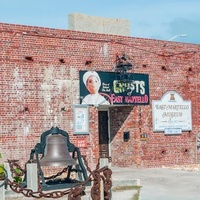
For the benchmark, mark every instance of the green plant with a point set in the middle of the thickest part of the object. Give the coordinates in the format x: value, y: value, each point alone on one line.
x: 134, y: 187
x: 2, y: 172
x: 17, y: 178
x: 128, y: 187
x: 137, y: 195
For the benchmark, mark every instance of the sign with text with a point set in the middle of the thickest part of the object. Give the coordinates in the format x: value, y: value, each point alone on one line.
x: 80, y: 119
x: 171, y: 113
x: 105, y: 88
x: 81, y: 142
x: 173, y: 131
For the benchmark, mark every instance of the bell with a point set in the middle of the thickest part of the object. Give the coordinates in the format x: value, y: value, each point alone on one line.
x: 56, y: 152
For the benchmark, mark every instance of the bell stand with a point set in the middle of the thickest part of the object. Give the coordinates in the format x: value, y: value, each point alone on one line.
x: 80, y: 168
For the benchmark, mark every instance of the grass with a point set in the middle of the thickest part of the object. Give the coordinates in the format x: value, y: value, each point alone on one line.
x: 137, y: 195
x: 122, y: 188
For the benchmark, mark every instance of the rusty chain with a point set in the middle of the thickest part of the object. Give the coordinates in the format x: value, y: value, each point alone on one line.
x: 58, y: 174
x: 73, y: 193
x: 76, y: 193
x: 13, y: 165
x: 95, y: 190
x: 107, y: 183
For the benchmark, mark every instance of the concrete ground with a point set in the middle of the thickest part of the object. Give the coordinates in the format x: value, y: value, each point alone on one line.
x: 170, y: 184
x: 164, y: 183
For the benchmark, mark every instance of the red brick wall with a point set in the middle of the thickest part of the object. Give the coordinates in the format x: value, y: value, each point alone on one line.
x: 33, y: 92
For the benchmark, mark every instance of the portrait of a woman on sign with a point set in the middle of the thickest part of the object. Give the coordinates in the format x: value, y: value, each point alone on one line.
x: 92, y: 82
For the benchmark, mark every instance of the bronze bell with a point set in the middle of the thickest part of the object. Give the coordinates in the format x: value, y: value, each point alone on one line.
x: 56, y: 152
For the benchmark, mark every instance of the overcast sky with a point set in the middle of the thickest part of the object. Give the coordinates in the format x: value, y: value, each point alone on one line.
x: 154, y: 19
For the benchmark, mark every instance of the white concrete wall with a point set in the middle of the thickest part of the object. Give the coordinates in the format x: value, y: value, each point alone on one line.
x: 86, y: 23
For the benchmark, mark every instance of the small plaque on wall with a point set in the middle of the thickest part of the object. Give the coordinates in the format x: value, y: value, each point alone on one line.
x: 143, y: 137
x: 81, y: 142
x: 173, y: 131
x: 81, y: 119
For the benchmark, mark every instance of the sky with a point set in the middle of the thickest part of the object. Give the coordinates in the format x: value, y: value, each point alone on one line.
x: 153, y: 19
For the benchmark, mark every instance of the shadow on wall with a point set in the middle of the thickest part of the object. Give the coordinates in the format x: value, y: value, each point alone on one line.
x: 121, y: 119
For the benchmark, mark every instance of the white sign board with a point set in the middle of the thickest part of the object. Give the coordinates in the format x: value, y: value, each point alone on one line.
x: 171, y: 113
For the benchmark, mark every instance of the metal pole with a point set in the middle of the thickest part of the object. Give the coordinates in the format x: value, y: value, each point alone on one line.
x: 181, y: 35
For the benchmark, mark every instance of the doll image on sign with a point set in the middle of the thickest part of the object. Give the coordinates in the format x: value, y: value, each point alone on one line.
x: 92, y: 82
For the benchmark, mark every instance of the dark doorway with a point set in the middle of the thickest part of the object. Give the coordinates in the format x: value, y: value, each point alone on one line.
x: 103, y: 134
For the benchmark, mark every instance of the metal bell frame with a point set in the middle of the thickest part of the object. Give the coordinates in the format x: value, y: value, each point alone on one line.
x: 38, y: 152
x: 122, y: 68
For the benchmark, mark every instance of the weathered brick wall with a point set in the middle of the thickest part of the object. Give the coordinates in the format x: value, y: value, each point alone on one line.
x: 33, y: 92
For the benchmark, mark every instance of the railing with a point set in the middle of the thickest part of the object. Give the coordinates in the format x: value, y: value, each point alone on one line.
x: 100, y: 189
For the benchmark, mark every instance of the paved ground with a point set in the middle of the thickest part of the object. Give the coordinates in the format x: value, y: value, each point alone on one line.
x: 164, y: 183
x: 170, y: 184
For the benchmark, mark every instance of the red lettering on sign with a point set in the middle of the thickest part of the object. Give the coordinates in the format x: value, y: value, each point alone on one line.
x: 116, y: 99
